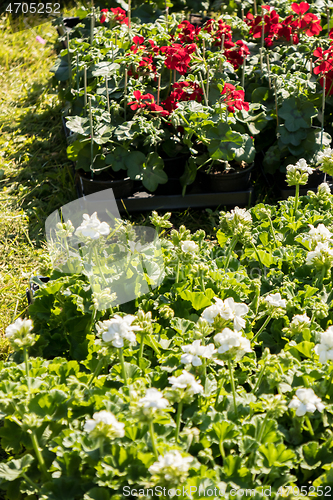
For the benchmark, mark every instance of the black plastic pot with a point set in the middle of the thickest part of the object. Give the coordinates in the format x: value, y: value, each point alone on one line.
x: 33, y: 287
x: 173, y: 186
x: 224, y: 182
x: 122, y: 188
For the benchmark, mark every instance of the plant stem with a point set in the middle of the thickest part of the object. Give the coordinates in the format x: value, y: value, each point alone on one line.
x: 101, y: 446
x: 269, y: 72
x: 39, y: 456
x: 141, y: 346
x: 129, y: 21
x: 85, y: 85
x: 261, y: 63
x: 231, y: 374
x: 267, y: 320
x: 207, y: 84
x: 328, y: 22
x: 322, y: 115
x: 243, y: 72
x: 177, y: 271
x: 203, y: 89
x: 308, y: 423
x: 179, y: 414
x: 99, y: 266
x: 296, y: 199
x: 222, y: 449
x: 69, y: 61
x: 152, y: 436
x: 230, y: 250
x: 107, y: 94
x: 121, y: 359
x: 91, y: 139
x: 218, y: 393
x: 77, y: 72
x: 26, y: 362
x: 263, y: 27
x: 256, y: 252
x: 30, y: 481
x: 158, y: 89
x: 261, y: 374
x: 96, y: 372
x: 222, y: 49
x: 273, y: 232
x: 125, y: 94
x: 255, y: 7
x: 92, y: 25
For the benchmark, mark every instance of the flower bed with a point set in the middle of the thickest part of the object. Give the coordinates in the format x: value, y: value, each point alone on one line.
x: 218, y: 95
x: 219, y: 379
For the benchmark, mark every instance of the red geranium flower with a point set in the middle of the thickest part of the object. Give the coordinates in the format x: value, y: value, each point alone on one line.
x: 234, y: 98
x: 183, y: 91
x: 146, y: 101
x: 188, y: 33
x: 119, y: 15
x: 178, y: 57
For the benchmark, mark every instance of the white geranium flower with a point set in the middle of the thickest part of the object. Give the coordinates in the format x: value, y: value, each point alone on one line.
x: 228, y: 310
x: 321, y: 255
x: 319, y: 234
x: 195, y: 351
x: 107, y: 418
x: 186, y: 381
x: 171, y: 467
x: 189, y: 246
x: 300, y: 319
x: 118, y: 329
x: 233, y: 341
x: 219, y: 308
x: 104, y: 299
x: 19, y: 327
x: 154, y: 399
x: 325, y: 348
x: 323, y: 189
x: 92, y: 228
x: 238, y: 309
x: 275, y: 300
x: 300, y: 166
x: 240, y: 215
x: 305, y: 401
x: 64, y: 229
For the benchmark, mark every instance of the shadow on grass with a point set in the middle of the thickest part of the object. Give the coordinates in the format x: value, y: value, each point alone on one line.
x: 44, y: 177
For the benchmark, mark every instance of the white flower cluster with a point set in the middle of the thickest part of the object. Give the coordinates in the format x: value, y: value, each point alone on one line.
x: 319, y: 234
x: 64, y: 229
x: 228, y: 310
x: 189, y: 247
x: 186, y: 381
x: 239, y: 215
x: 325, y: 158
x: 154, y: 399
x: 321, y: 256
x: 325, y: 348
x: 172, y: 467
x: 104, y: 299
x: 305, y: 401
x: 116, y: 429
x: 274, y: 300
x: 193, y: 352
x: 298, y: 173
x: 298, y: 322
x: 232, y: 343
x: 19, y: 334
x: 92, y: 228
x: 117, y: 330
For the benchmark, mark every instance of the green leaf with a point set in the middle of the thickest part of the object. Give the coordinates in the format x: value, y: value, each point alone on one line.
x: 105, y: 68
x: 153, y: 173
x: 117, y: 158
x: 294, y: 138
x: 199, y: 300
x: 61, y: 69
x: 97, y: 493
x: 223, y: 142
x: 297, y: 113
x: 277, y: 455
x: 190, y: 173
x: 247, y: 151
x: 181, y: 325
x: 13, y: 469
x: 134, y: 164
x: 225, y: 430
x: 79, y: 125
x: 222, y: 238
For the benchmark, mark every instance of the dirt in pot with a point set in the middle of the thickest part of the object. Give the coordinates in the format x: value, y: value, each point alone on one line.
x: 105, y: 175
x: 221, y: 167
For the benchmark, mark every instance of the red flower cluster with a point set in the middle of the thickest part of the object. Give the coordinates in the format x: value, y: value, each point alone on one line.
x: 147, y: 64
x: 178, y: 57
x: 146, y: 101
x: 115, y: 14
x: 188, y: 33
x: 325, y: 67
x: 290, y: 28
x: 217, y: 29
x: 237, y: 53
x: 234, y: 98
x: 183, y: 91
